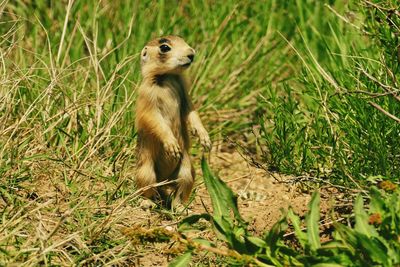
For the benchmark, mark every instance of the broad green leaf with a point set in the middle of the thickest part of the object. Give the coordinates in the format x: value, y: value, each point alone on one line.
x: 373, y: 249
x: 181, y: 261
x: 223, y: 229
x: 346, y: 235
x: 276, y: 233
x: 223, y: 199
x: 257, y: 241
x: 218, y: 199
x: 362, y: 226
x: 229, y: 233
x: 224, y: 203
x: 312, y: 222
x: 377, y: 203
x: 301, y: 236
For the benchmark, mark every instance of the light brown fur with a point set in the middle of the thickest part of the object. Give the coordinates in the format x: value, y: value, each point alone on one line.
x: 164, y: 112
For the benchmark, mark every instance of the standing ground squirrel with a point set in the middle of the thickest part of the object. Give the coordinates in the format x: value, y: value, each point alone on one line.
x: 164, y: 112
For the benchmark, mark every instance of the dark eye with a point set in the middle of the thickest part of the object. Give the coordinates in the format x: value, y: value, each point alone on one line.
x: 165, y: 48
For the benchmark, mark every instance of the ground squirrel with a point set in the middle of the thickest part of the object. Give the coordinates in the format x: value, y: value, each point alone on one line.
x: 164, y: 113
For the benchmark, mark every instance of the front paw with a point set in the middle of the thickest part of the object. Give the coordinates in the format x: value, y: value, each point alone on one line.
x: 172, y: 149
x: 147, y: 204
x: 205, y: 140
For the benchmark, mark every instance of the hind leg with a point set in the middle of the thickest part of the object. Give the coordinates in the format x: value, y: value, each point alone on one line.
x: 184, y: 180
x: 146, y: 175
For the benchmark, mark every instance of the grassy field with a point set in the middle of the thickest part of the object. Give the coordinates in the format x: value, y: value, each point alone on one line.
x: 305, y: 87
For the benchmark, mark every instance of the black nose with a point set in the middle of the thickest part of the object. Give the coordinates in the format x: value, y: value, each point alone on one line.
x: 191, y: 57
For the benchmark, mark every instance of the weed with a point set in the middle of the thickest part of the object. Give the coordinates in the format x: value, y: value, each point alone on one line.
x: 373, y: 240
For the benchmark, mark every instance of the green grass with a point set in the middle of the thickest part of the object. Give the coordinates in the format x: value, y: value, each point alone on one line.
x: 290, y: 81
x: 328, y: 125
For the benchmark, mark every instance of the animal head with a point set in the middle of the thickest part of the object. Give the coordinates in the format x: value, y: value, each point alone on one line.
x: 166, y: 55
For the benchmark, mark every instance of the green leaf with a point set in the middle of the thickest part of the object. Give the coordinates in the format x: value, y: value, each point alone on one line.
x: 373, y: 249
x: 377, y: 204
x: 257, y: 241
x: 181, y: 261
x: 346, y: 235
x: 333, y: 245
x: 276, y: 234
x: 224, y: 228
x: 301, y: 236
x: 362, y: 226
x: 224, y: 202
x: 312, y: 221
x: 223, y: 199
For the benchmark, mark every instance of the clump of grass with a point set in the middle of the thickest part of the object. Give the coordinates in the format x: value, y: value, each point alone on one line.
x: 68, y: 76
x: 340, y: 118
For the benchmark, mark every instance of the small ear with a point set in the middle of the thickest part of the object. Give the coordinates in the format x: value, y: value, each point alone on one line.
x: 144, y: 55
